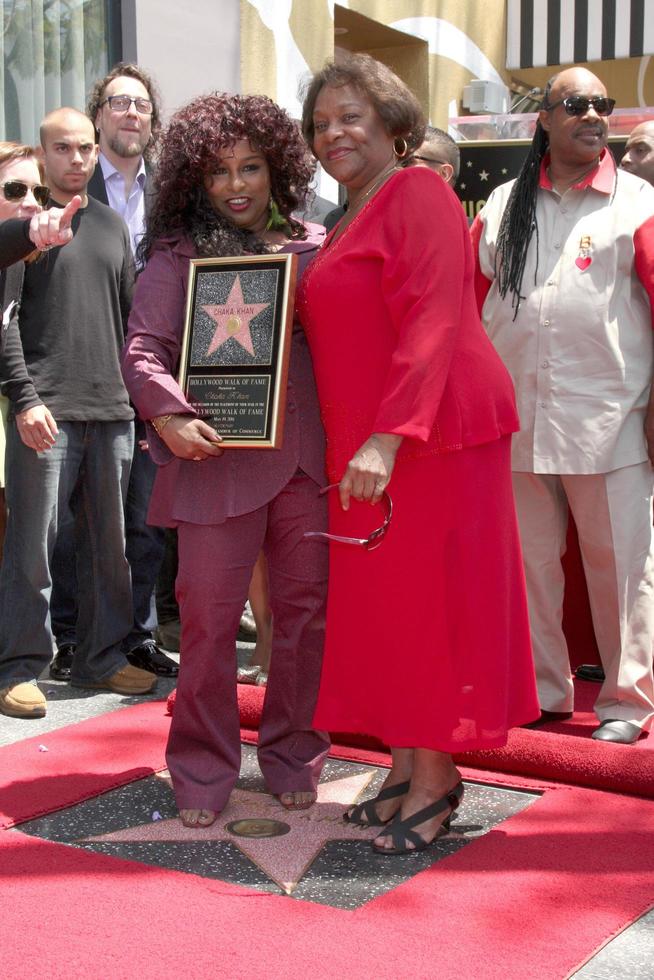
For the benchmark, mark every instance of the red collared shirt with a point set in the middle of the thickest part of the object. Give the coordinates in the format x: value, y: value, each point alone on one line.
x: 580, y: 350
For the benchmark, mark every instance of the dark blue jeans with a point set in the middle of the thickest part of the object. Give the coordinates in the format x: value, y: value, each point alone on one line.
x: 144, y: 549
x: 86, y: 472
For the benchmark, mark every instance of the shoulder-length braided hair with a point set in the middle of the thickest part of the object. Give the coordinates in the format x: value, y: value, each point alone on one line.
x: 518, y: 222
x: 195, y: 137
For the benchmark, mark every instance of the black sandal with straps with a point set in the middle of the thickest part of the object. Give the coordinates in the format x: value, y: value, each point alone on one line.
x: 367, y: 808
x: 402, y: 831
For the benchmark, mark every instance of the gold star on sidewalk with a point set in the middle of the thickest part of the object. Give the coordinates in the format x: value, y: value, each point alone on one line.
x: 286, y: 858
x: 233, y: 319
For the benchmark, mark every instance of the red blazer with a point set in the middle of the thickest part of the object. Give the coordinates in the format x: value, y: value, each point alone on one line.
x: 240, y: 480
x: 396, y: 340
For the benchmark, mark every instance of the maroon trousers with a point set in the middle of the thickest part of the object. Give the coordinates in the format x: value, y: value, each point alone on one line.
x: 215, y: 567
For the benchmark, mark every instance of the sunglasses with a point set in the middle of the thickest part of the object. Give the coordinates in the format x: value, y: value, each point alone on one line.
x: 578, y: 105
x: 373, y: 540
x: 16, y: 190
x: 121, y: 103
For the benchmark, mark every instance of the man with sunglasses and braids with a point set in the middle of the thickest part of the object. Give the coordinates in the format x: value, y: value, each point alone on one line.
x: 70, y: 440
x: 565, y: 284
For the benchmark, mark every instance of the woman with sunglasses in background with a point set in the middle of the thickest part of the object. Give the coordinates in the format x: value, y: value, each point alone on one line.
x: 414, y: 399
x: 231, y: 171
x: 23, y: 195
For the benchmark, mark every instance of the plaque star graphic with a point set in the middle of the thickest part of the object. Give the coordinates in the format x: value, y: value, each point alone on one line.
x: 504, y: 170
x: 484, y: 175
x: 286, y: 858
x: 233, y: 319
x: 469, y: 163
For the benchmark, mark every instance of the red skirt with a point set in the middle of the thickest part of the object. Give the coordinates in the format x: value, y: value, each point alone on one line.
x: 427, y: 642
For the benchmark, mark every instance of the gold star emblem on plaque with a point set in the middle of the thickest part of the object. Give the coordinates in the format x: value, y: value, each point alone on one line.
x: 233, y: 319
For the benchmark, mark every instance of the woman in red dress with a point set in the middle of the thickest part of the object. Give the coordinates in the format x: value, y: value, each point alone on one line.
x: 413, y: 399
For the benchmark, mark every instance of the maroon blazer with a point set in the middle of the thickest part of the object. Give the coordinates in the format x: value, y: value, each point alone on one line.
x: 240, y: 480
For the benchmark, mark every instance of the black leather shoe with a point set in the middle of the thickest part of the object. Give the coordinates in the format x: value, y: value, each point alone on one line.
x: 148, y: 656
x: 62, y: 663
x: 617, y: 731
x: 167, y: 635
x: 547, y: 716
x: 247, y: 630
x: 590, y: 672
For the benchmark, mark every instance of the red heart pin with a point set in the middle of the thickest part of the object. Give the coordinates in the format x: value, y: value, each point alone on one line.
x: 583, y: 263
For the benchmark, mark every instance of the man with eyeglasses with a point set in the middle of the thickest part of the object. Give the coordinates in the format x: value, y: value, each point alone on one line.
x: 566, y: 285
x: 439, y: 153
x: 124, y: 108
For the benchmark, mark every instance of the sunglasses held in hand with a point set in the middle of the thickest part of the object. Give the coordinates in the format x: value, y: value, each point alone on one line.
x: 16, y: 190
x: 373, y: 540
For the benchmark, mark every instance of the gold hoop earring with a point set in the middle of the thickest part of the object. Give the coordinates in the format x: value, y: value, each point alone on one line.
x: 400, y: 154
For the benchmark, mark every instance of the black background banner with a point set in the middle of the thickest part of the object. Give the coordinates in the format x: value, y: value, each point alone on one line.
x: 486, y: 165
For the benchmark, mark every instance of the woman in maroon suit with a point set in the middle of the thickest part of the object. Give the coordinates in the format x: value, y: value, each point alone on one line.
x: 231, y: 171
x: 413, y: 398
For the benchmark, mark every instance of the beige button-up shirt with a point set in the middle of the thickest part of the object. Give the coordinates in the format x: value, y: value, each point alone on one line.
x: 580, y: 350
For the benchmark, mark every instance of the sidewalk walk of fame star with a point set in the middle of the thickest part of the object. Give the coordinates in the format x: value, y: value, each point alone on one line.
x: 233, y: 319
x: 285, y: 859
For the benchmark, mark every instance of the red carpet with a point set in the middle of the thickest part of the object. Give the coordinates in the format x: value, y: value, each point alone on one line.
x: 562, y: 752
x: 533, y: 898
x: 81, y: 761
x: 109, y: 751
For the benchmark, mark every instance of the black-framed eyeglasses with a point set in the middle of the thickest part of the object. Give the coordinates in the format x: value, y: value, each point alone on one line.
x: 578, y: 105
x: 373, y: 540
x: 430, y: 161
x: 121, y: 103
x: 16, y: 190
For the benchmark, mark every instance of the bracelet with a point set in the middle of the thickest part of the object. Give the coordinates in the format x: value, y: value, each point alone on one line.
x: 159, y: 423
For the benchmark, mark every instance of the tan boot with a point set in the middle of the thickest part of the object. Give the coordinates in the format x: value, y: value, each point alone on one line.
x: 23, y: 700
x: 127, y: 680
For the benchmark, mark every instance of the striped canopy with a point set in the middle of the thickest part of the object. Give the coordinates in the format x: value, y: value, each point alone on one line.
x: 556, y: 32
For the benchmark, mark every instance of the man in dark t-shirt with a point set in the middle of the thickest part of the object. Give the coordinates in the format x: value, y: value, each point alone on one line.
x: 125, y: 109
x: 70, y: 439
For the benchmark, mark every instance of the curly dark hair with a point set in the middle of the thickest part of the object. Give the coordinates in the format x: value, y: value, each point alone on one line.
x: 189, y: 148
x: 394, y: 102
x: 125, y: 70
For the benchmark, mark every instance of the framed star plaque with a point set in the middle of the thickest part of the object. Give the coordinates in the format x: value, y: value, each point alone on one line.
x: 236, y: 345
